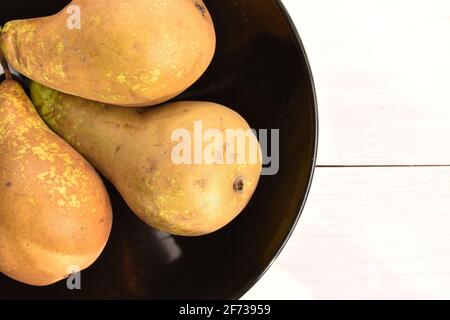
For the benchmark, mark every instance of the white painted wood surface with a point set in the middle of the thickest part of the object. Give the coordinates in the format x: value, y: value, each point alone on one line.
x: 382, y: 70
x: 368, y: 233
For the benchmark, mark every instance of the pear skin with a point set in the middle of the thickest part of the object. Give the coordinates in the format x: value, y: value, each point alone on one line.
x: 135, y: 148
x: 128, y: 53
x: 55, y: 213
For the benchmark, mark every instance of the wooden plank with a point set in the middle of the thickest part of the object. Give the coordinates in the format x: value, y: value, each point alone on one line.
x: 382, y: 70
x: 368, y: 233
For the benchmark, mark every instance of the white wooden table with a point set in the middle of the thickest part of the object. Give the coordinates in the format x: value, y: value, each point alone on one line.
x: 377, y: 222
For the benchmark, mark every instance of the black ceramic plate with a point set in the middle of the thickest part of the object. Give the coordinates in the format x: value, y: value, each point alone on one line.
x: 261, y: 70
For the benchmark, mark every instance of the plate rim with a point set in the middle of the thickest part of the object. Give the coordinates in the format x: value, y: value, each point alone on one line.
x: 300, y: 207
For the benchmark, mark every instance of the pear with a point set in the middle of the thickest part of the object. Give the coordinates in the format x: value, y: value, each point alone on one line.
x: 129, y: 53
x: 55, y: 213
x: 173, y: 164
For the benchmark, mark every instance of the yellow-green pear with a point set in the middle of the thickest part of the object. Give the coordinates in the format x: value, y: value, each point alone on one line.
x: 187, y: 168
x: 121, y: 52
x: 55, y: 213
